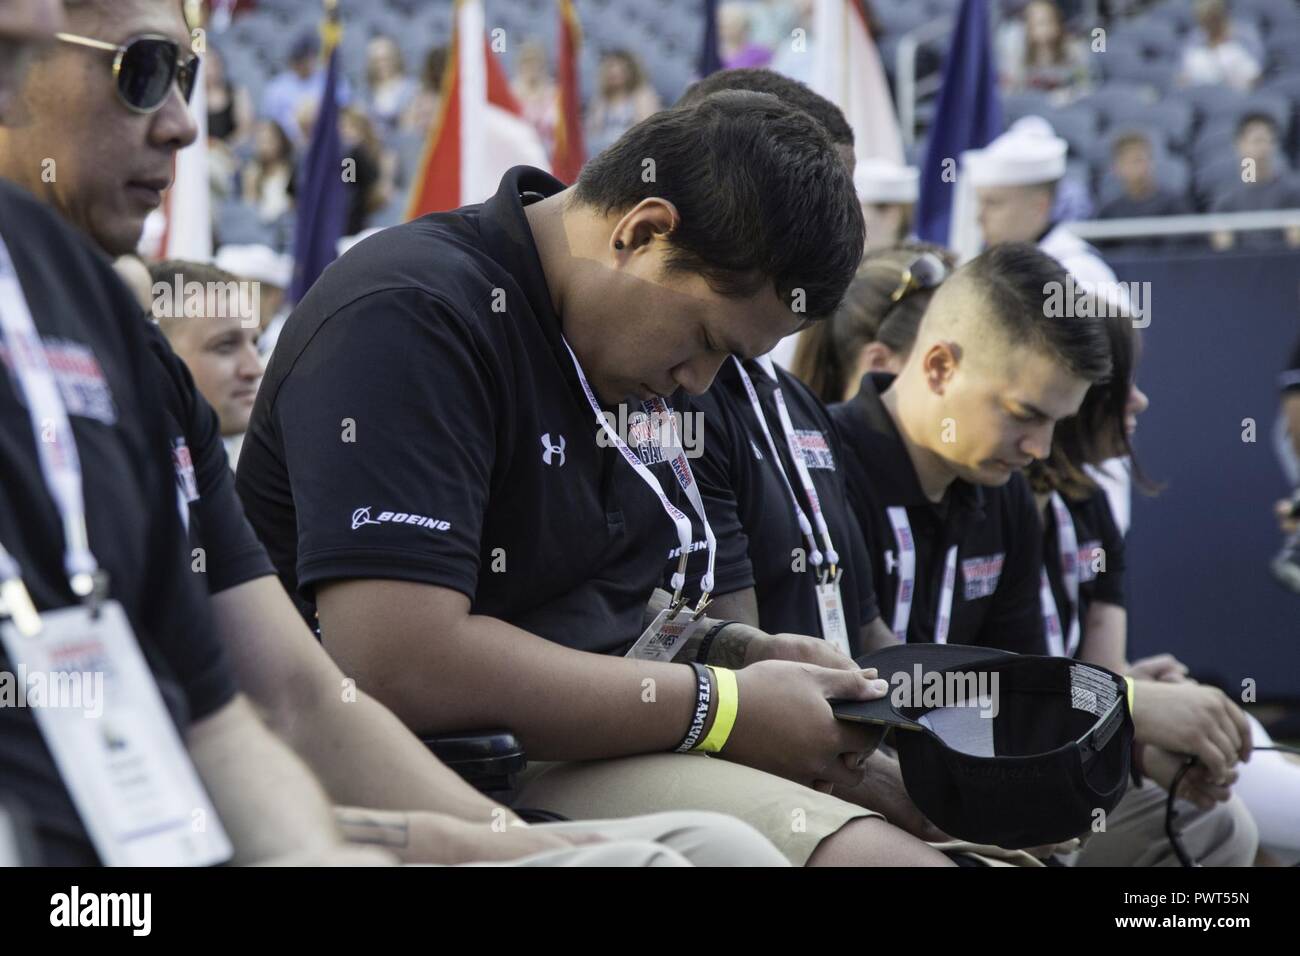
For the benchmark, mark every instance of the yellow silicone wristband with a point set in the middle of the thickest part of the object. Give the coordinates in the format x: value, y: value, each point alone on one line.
x: 725, y: 718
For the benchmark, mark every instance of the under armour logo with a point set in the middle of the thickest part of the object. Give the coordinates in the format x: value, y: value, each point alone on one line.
x: 891, y: 562
x: 361, y: 516
x: 552, y: 450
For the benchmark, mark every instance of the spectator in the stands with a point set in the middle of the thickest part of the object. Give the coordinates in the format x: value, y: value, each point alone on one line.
x: 624, y: 98
x: 422, y: 112
x: 372, y: 186
x: 1038, y: 53
x: 1217, y: 57
x: 887, y: 192
x: 1263, y: 186
x: 266, y: 177
x: 736, y: 43
x: 303, y: 82
x: 230, y: 107
x: 230, y: 122
x: 535, y: 90
x: 1132, y: 165
x: 389, y: 88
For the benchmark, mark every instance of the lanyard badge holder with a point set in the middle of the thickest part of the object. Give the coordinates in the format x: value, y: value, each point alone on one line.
x: 670, y: 628
x: 103, y: 718
x: 830, y: 604
x: 1059, y: 643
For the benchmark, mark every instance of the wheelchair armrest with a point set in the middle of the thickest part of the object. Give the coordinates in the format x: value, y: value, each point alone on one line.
x: 486, y: 759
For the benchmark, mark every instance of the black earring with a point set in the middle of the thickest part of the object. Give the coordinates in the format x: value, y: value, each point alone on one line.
x: 618, y: 243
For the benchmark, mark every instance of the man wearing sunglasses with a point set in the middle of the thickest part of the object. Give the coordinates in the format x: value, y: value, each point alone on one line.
x: 107, y: 170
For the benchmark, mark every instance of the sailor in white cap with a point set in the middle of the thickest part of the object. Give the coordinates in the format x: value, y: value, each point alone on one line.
x: 1014, y: 180
x: 887, y: 192
x: 273, y: 271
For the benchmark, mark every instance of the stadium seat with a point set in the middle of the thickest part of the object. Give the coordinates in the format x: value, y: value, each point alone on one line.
x: 1178, y: 14
x: 1270, y: 15
x: 1171, y: 119
x: 1031, y: 103
x: 1129, y: 66
x: 1230, y: 110
x: 1153, y: 39
x: 1077, y: 125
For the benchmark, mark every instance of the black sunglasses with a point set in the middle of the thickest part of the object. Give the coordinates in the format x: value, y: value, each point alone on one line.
x: 144, y: 69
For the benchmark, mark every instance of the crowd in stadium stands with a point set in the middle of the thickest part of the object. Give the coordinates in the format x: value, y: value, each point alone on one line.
x: 1160, y: 102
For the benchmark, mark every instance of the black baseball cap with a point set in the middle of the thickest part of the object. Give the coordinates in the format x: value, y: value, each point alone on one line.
x: 1012, y: 750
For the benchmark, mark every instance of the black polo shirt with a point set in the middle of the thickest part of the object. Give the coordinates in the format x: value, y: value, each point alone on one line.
x: 223, y: 546
x: 421, y: 420
x: 1100, y: 558
x: 749, y: 505
x: 93, y: 336
x: 997, y: 533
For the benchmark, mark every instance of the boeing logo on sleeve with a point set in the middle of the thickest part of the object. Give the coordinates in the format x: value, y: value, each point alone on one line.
x: 548, y: 456
x: 362, y: 517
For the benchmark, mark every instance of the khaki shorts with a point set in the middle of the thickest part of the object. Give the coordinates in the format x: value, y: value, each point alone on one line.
x: 794, y: 817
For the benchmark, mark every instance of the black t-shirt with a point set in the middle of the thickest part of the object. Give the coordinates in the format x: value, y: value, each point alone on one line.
x: 749, y: 506
x: 1100, y: 559
x: 222, y: 543
x: 421, y: 420
x: 995, y: 600
x: 91, y: 330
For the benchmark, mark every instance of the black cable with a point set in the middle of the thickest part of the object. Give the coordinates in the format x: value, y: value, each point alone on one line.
x: 1174, y: 840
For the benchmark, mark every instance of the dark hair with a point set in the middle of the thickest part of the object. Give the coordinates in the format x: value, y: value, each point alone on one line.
x: 1250, y: 118
x: 1130, y: 138
x: 1014, y: 282
x: 763, y: 197
x: 435, y: 65
x: 782, y: 87
x: 825, y: 355
x: 1097, y: 430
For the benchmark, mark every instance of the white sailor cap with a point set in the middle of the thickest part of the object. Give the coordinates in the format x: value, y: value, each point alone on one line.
x: 256, y: 263
x: 882, y: 181
x: 1029, y: 152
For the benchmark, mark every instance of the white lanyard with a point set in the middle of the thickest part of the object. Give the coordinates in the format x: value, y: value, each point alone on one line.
x: 1068, y: 543
x: 907, y: 580
x: 681, y: 469
x: 55, y: 444
x: 815, y: 556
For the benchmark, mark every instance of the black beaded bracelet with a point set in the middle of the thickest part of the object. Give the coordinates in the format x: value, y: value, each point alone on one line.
x: 703, y: 698
x: 703, y: 654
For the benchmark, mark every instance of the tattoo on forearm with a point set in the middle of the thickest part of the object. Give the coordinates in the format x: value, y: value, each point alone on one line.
x: 727, y: 649
x: 359, y: 826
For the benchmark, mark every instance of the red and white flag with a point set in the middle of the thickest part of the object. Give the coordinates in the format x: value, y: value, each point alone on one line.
x: 848, y: 72
x: 480, y: 131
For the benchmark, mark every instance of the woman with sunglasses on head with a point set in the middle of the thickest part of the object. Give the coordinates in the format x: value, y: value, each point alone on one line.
x: 1083, y: 603
x: 875, y: 326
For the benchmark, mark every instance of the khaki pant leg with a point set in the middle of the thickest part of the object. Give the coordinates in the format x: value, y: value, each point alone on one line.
x: 1135, y: 833
x: 619, y: 853
x: 704, y: 839
x: 793, y: 817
